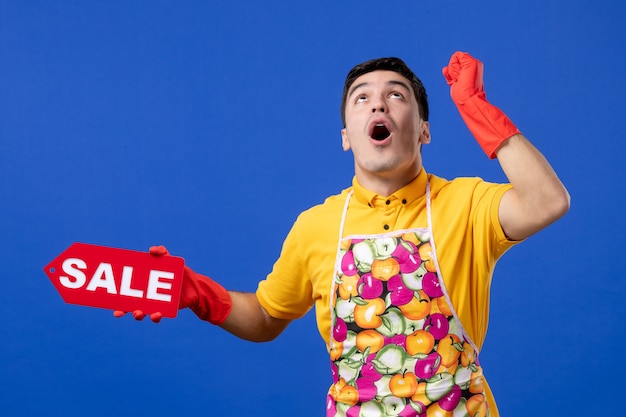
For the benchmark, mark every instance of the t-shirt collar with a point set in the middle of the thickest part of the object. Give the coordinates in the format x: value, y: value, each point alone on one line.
x: 405, y: 195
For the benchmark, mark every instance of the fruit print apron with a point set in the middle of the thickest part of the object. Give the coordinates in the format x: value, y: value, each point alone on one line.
x: 397, y: 347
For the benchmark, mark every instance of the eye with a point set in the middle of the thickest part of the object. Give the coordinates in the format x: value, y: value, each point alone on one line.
x: 395, y: 94
x: 360, y: 99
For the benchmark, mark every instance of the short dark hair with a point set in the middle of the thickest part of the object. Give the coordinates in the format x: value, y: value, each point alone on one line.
x: 386, y: 64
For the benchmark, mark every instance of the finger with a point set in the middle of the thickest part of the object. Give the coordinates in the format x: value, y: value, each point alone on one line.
x: 119, y: 313
x: 466, y: 60
x: 457, y: 54
x: 473, y: 68
x: 139, y: 315
x: 156, y: 317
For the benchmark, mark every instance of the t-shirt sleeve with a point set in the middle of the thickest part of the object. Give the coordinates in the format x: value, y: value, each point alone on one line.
x: 286, y: 293
x: 487, y: 220
x: 470, y: 240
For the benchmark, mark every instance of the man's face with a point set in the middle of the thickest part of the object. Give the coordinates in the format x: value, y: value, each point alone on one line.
x: 383, y: 127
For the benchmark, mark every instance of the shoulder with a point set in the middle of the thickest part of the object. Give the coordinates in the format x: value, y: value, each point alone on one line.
x: 316, y: 227
x: 332, y: 205
x: 472, y: 202
x: 465, y: 188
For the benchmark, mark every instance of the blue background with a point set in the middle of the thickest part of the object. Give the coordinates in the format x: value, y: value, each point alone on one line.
x: 208, y: 126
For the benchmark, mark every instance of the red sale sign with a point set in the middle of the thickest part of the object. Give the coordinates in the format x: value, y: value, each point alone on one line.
x: 117, y: 279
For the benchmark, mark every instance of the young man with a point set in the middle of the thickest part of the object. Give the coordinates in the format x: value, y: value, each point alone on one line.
x: 399, y: 265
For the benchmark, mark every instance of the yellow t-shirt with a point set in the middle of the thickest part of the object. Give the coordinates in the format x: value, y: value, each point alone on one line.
x: 466, y: 232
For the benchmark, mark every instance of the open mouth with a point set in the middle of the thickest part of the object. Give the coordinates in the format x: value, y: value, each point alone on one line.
x: 380, y: 132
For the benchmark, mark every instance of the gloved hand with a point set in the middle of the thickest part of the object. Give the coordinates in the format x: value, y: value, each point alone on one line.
x: 205, y: 297
x: 489, y: 125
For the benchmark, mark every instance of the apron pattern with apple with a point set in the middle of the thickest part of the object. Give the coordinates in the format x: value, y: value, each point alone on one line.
x: 397, y: 348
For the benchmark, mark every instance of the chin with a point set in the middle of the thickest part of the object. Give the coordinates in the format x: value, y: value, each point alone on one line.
x: 380, y: 166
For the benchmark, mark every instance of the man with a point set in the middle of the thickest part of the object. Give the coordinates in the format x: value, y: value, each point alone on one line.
x: 399, y: 265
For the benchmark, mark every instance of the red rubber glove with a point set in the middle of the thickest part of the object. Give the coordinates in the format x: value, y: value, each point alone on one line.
x: 205, y: 297
x: 489, y: 125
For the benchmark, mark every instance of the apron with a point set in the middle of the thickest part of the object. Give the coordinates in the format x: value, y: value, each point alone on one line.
x: 397, y: 347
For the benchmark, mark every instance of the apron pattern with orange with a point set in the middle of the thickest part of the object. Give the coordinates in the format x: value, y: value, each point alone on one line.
x: 397, y: 347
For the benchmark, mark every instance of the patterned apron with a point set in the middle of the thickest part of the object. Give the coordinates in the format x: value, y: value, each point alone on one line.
x: 397, y: 347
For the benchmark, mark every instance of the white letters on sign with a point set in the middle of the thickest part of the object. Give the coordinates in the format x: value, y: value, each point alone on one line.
x: 155, y: 283
x: 103, y: 278
x: 70, y: 266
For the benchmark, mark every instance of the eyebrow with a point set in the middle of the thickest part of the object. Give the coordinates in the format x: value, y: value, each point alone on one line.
x: 390, y: 82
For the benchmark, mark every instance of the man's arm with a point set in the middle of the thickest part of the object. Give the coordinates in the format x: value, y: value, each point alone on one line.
x: 248, y: 320
x: 537, y: 199
x: 236, y: 312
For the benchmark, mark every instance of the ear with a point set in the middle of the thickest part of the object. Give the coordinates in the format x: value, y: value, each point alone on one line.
x: 345, y: 142
x: 425, y: 133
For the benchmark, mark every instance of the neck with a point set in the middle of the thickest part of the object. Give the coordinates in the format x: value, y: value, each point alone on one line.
x: 386, y: 185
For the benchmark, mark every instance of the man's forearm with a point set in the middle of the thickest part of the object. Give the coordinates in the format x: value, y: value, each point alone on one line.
x: 538, y: 197
x: 248, y: 320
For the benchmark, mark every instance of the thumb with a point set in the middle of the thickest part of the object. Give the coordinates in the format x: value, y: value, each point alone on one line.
x: 453, y: 69
x: 447, y: 75
x: 158, y: 250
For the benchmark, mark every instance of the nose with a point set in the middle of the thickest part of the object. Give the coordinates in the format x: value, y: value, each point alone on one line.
x: 379, y: 106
